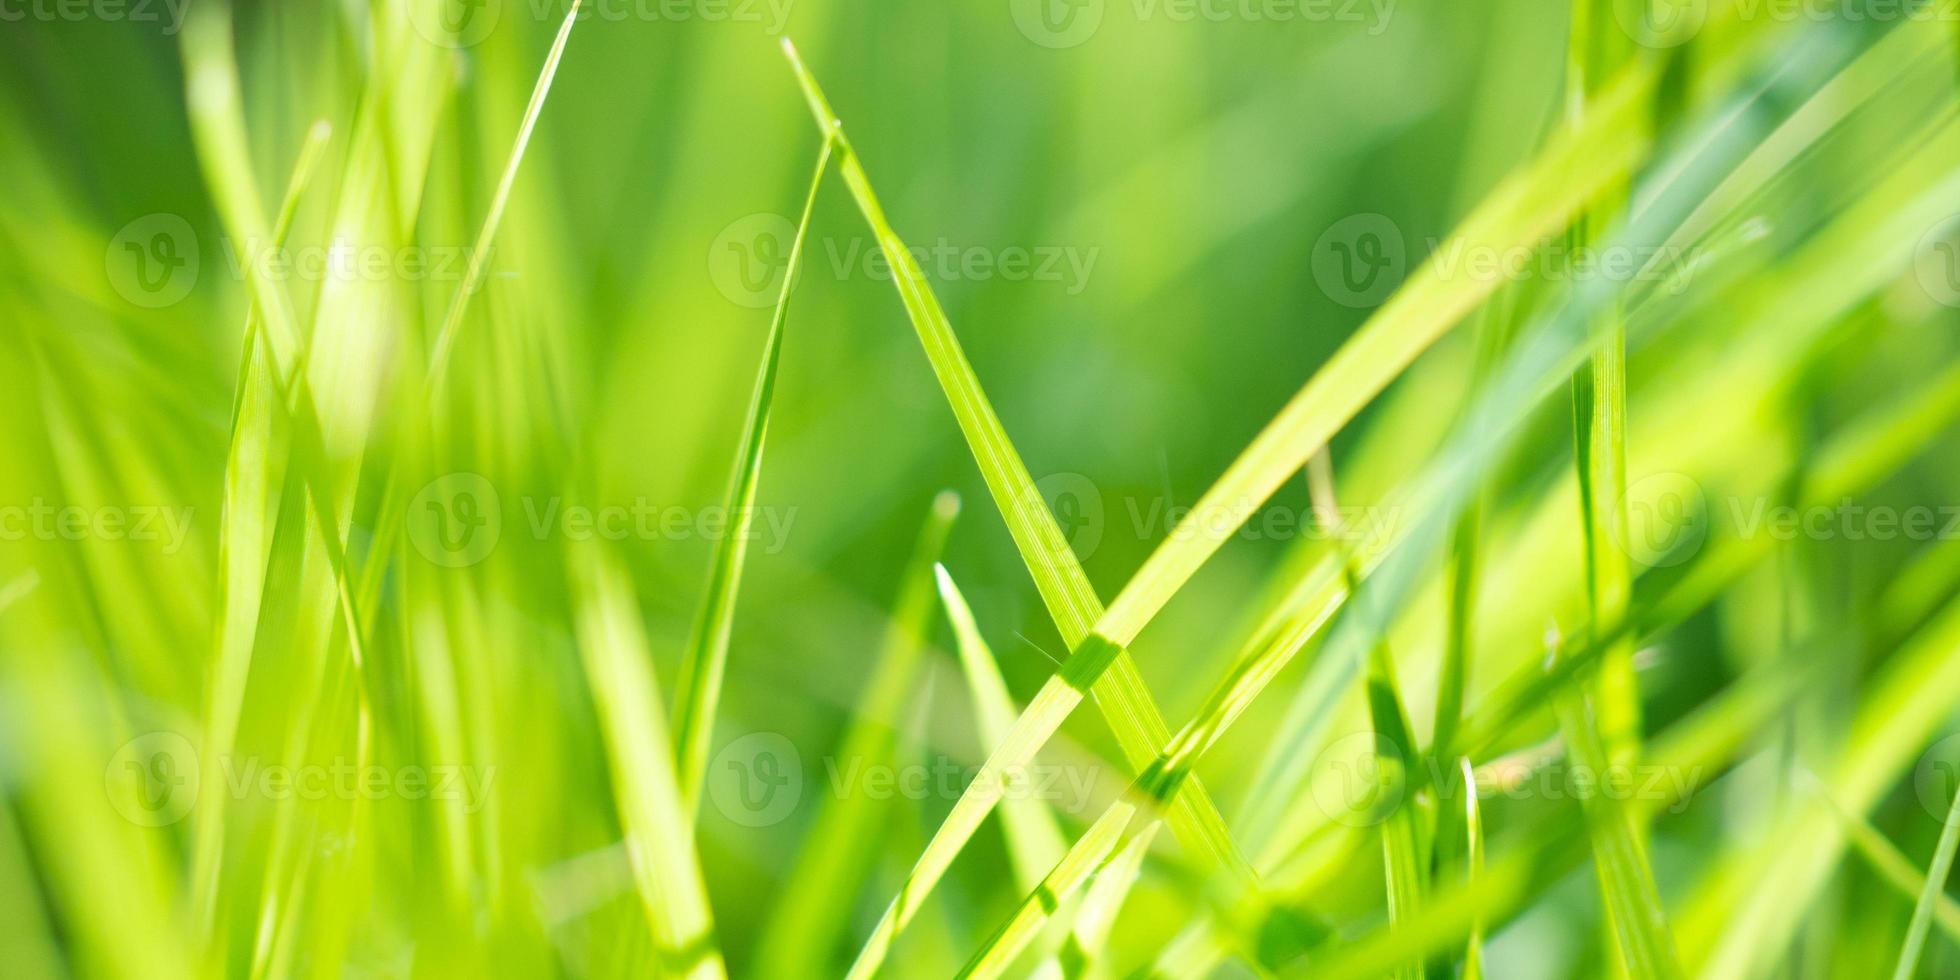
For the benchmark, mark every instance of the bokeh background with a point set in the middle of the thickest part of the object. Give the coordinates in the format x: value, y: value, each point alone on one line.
x: 1174, y: 185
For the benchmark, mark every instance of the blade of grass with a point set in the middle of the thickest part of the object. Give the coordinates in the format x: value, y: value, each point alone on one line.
x: 253, y: 475
x: 452, y: 321
x: 817, y: 898
x: 1096, y: 916
x: 1885, y: 858
x: 1034, y: 839
x: 1065, y: 589
x: 1404, y: 854
x: 707, y: 650
x: 1930, y: 895
x: 659, y: 830
x: 1473, y: 869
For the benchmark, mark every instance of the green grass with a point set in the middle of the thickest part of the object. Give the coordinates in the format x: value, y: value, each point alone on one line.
x: 542, y: 598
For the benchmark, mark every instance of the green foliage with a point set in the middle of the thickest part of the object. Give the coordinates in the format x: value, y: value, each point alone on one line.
x: 393, y: 580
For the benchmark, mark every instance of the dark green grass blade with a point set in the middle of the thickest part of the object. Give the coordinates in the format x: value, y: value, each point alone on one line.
x: 707, y: 650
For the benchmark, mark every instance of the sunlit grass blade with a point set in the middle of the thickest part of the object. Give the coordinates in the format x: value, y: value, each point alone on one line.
x: 1089, y: 853
x: 1071, y: 600
x: 1931, y: 894
x: 1034, y: 839
x: 817, y: 898
x: 419, y: 411
x: 1473, y: 866
x: 1626, y: 878
x: 707, y: 649
x: 1885, y: 858
x: 659, y: 830
x: 254, y: 472
x: 1096, y: 916
x: 472, y: 276
x: 1397, y: 765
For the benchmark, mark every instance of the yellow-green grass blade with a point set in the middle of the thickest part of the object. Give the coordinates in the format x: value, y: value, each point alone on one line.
x: 1931, y: 894
x: 707, y: 650
x: 217, y: 123
x: 816, y: 900
x: 1855, y: 458
x: 1064, y: 587
x: 1548, y: 352
x: 1599, y: 401
x: 1473, y: 869
x: 1102, y: 902
x: 1090, y: 852
x: 1034, y: 839
x: 420, y: 411
x: 658, y: 829
x: 1404, y: 854
x: 1533, y: 203
x: 473, y: 275
x: 254, y: 470
x: 1626, y: 879
x: 1599, y: 722
x: 1885, y: 858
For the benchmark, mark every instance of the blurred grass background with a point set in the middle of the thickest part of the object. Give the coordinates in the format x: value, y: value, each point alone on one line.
x: 1183, y: 174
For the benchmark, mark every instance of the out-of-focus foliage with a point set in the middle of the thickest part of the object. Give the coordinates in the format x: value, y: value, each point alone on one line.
x: 466, y: 514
